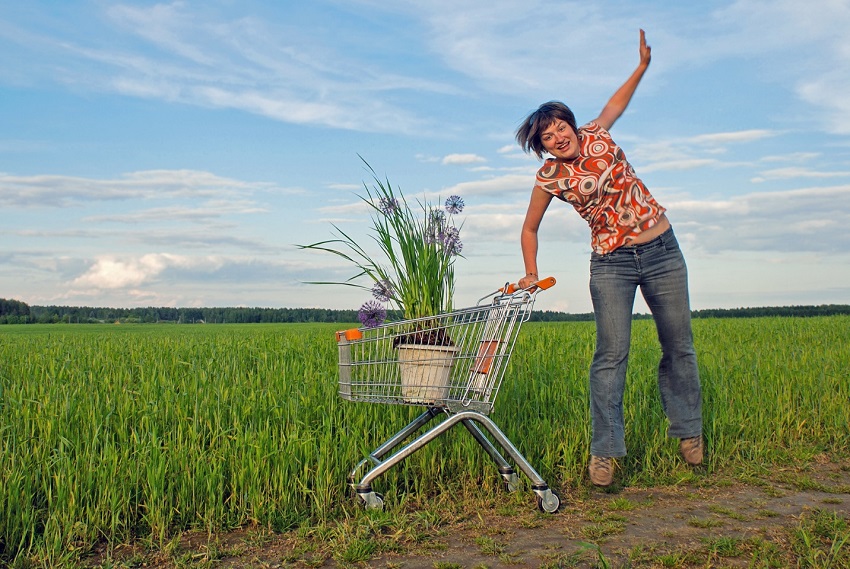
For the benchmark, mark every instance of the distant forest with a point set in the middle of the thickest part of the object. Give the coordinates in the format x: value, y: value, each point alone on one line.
x: 17, y: 312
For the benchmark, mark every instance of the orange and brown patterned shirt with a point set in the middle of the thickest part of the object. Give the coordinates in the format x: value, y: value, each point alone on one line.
x: 603, y: 188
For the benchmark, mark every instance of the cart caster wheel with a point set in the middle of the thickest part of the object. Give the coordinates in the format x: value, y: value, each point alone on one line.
x: 548, y: 502
x: 510, y: 482
x: 372, y: 500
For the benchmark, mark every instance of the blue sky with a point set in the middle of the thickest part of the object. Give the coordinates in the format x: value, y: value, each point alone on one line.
x: 174, y: 153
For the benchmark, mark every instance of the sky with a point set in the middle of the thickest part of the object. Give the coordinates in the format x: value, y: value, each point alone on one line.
x: 177, y: 153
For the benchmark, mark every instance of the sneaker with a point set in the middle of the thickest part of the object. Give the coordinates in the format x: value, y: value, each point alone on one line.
x: 601, y: 470
x: 691, y: 450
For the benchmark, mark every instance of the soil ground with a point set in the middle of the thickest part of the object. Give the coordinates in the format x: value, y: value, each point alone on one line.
x: 723, y: 523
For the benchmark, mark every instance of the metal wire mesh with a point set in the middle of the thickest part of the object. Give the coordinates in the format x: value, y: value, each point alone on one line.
x: 455, y: 360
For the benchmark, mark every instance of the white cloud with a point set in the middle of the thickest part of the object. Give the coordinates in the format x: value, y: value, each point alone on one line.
x: 507, y: 184
x: 803, y: 44
x: 828, y: 91
x: 681, y: 164
x: 462, y: 159
x: 699, y: 151
x: 54, y: 191
x: 730, y: 137
x: 797, y: 172
x: 792, y: 157
x: 489, y: 42
x: 212, y: 211
x: 798, y: 220
x: 283, y: 71
x: 150, y: 271
x: 108, y: 272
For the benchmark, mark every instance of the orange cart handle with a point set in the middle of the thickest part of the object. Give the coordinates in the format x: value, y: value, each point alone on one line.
x: 542, y: 284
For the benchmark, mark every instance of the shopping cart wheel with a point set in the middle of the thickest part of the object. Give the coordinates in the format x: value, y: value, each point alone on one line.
x: 510, y: 481
x: 548, y: 501
x: 372, y: 500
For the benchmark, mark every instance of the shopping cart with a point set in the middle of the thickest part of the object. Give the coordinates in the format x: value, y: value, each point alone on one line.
x: 452, y: 364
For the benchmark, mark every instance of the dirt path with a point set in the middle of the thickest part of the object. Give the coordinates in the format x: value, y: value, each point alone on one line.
x: 723, y: 524
x: 662, y: 527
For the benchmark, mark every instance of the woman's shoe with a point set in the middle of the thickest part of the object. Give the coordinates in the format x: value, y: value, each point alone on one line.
x: 691, y: 450
x: 601, y: 470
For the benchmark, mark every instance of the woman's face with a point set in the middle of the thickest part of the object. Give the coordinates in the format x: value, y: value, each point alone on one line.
x: 560, y: 140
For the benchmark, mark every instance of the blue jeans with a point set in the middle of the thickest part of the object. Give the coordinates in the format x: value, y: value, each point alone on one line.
x: 658, y: 268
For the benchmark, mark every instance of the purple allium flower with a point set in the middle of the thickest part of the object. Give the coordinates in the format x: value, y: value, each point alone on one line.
x: 388, y: 205
x: 450, y: 238
x: 450, y: 233
x: 454, y: 204
x: 436, y: 217
x: 434, y: 226
x: 372, y: 314
x: 383, y: 290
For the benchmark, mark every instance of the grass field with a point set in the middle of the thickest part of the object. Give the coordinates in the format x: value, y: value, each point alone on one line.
x: 120, y: 432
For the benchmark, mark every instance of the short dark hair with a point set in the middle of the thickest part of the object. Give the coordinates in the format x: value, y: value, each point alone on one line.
x: 528, y: 133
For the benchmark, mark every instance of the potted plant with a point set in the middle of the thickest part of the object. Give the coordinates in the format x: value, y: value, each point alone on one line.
x: 413, y: 272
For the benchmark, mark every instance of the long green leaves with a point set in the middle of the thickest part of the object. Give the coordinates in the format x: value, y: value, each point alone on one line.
x: 126, y: 432
x: 415, y: 258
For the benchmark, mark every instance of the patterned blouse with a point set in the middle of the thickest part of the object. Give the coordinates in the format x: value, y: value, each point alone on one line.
x: 603, y: 188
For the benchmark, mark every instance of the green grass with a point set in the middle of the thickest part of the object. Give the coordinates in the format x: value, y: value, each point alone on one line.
x: 136, y: 432
x: 822, y: 540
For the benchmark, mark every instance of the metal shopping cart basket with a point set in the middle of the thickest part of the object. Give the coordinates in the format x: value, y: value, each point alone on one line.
x: 452, y: 364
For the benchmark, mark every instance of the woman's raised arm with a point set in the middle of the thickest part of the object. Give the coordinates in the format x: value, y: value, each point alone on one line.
x: 620, y: 100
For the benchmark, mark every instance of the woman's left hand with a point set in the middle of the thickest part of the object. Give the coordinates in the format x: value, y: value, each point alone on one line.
x: 620, y: 100
x: 645, y: 50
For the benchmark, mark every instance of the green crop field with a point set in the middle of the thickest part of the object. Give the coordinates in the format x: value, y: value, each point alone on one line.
x: 119, y: 432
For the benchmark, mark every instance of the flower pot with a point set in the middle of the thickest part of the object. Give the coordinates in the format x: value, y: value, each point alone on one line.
x: 425, y: 372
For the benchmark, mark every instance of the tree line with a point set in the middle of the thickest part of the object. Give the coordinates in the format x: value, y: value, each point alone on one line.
x: 799, y: 311
x: 17, y: 312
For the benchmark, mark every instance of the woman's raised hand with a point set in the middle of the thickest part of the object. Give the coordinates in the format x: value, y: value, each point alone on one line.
x: 645, y: 50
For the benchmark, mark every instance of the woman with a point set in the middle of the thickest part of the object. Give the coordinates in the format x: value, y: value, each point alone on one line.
x: 633, y: 246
